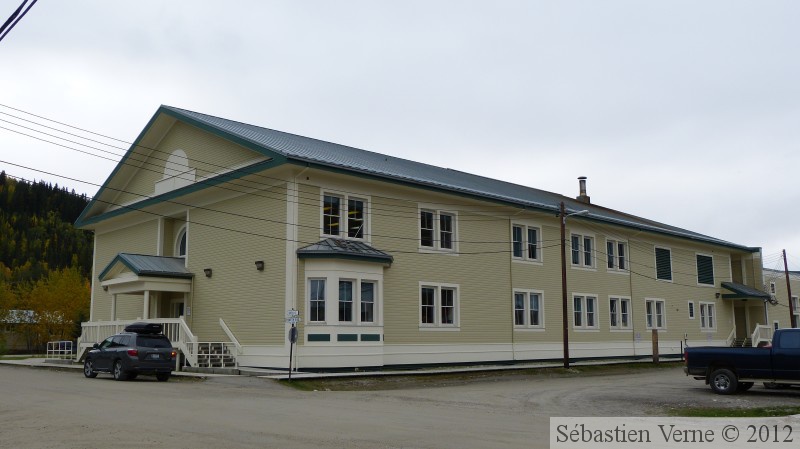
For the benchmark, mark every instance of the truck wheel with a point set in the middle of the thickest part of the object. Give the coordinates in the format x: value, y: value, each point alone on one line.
x: 744, y: 386
x: 723, y: 381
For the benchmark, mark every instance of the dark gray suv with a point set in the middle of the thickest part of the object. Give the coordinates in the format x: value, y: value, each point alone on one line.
x: 141, y: 349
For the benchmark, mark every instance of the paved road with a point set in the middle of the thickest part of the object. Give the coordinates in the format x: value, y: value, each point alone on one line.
x: 43, y: 408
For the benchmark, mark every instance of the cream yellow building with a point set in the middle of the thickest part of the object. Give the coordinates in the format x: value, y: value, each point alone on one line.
x: 780, y: 315
x: 221, y: 230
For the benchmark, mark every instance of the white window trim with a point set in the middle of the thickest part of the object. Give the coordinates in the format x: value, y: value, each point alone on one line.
x: 528, y: 325
x: 525, y: 227
x: 664, y: 310
x: 183, y: 230
x: 584, y: 327
x: 332, y: 301
x: 704, y: 318
x: 620, y: 327
x: 437, y: 212
x: 437, y: 325
x: 616, y: 269
x: 772, y: 288
x: 697, y: 270
x: 692, y: 311
x: 582, y: 254
x: 671, y: 265
x: 343, y: 208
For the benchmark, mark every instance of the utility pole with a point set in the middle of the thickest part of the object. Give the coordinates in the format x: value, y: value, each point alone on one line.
x: 792, y: 320
x: 563, y: 216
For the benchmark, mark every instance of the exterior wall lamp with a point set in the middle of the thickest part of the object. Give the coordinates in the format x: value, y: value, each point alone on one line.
x: 260, y: 265
x: 207, y: 271
x: 564, y: 303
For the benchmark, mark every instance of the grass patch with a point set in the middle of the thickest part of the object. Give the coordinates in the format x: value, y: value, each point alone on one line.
x: 436, y: 380
x: 716, y: 412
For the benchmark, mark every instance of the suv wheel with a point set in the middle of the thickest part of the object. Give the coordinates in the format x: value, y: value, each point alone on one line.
x: 119, y: 374
x: 162, y: 377
x: 88, y: 369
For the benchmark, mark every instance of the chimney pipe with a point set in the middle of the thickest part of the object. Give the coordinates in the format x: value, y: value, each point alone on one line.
x: 583, y: 197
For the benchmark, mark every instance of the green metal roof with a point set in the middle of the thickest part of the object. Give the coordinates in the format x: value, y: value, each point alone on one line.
x: 332, y: 248
x: 281, y: 147
x: 741, y: 291
x: 156, y: 266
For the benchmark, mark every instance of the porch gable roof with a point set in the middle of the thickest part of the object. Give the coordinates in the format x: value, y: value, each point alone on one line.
x: 153, y: 266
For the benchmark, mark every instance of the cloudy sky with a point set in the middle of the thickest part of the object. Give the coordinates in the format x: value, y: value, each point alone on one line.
x: 685, y: 112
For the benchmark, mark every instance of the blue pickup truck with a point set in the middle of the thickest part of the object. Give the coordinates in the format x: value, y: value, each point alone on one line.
x: 734, y: 370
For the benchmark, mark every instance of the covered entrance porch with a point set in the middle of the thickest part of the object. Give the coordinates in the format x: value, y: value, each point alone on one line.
x: 750, y: 313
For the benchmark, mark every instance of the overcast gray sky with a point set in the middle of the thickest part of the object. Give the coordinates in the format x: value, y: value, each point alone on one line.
x: 684, y: 112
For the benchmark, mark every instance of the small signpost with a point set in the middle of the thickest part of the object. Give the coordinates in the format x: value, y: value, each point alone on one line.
x: 292, y: 317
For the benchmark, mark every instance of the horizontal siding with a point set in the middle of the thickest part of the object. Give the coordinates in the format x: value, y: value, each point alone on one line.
x: 138, y: 239
x: 251, y: 302
x: 207, y: 154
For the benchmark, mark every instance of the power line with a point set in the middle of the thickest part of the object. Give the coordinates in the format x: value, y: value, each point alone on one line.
x: 14, y: 19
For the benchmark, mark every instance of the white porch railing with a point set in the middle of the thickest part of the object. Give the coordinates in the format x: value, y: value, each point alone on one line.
x: 761, y: 334
x: 174, y: 328
x: 230, y: 335
x: 731, y: 337
x: 57, y: 350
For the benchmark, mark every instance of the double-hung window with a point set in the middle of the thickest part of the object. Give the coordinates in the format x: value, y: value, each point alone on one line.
x: 344, y: 216
x: 705, y: 270
x: 708, y: 316
x: 663, y: 264
x: 357, y: 302
x: 691, y: 310
x: 582, y: 250
x: 655, y: 310
x: 316, y: 300
x: 438, y: 306
x: 528, y: 310
x: 525, y: 242
x: 616, y: 255
x: 437, y: 230
x: 584, y: 312
x: 619, y: 313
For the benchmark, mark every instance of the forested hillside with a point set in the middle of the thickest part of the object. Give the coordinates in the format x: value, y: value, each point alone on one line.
x: 45, y: 264
x: 36, y: 232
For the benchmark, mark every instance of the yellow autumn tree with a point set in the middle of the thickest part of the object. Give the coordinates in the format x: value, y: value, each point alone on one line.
x: 59, y: 303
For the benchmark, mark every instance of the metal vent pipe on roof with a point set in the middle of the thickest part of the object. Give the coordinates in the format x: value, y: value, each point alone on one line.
x: 583, y: 197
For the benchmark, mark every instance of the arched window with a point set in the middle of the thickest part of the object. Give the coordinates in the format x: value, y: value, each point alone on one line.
x: 180, y: 243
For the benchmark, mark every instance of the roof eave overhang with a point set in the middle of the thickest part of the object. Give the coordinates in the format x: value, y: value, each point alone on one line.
x: 554, y: 208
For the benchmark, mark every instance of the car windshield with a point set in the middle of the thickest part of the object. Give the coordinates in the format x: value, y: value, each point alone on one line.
x: 153, y: 341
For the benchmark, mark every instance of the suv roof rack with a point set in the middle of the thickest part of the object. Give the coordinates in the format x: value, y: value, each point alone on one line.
x: 144, y: 328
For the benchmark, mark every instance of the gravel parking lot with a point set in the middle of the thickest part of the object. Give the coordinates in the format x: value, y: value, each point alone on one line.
x: 41, y: 408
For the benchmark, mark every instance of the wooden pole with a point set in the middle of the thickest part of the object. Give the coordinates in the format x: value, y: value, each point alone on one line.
x: 792, y: 318
x: 564, y: 308
x: 655, y: 345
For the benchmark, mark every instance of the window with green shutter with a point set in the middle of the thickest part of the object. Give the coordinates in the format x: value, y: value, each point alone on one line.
x: 663, y: 264
x: 705, y: 270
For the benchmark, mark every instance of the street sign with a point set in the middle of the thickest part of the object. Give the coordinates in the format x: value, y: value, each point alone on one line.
x: 292, y: 313
x: 293, y: 320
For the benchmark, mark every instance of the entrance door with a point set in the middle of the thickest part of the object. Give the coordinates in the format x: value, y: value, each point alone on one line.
x: 740, y: 319
x: 177, y: 309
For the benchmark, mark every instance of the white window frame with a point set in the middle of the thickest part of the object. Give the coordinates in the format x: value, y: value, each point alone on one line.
x: 526, y: 324
x: 796, y: 306
x: 437, y: 231
x: 183, y: 233
x: 525, y: 242
x: 697, y: 269
x: 325, y: 300
x: 616, y: 310
x: 772, y: 288
x: 655, y: 266
x: 651, y: 308
x: 708, y: 316
x: 615, y: 257
x: 584, y: 312
x: 332, y: 300
x: 691, y: 310
x: 581, y: 251
x: 437, y: 306
x: 344, y: 210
